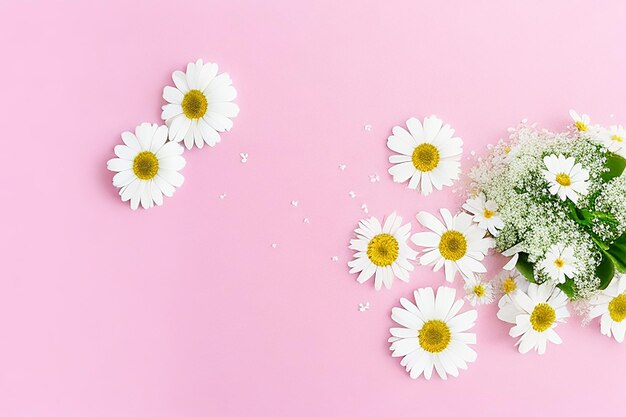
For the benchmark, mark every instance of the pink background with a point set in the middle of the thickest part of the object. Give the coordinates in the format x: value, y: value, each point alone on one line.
x: 186, y: 309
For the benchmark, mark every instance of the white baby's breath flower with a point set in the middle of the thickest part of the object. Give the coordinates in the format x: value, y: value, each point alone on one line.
x: 485, y: 213
x: 559, y: 263
x: 566, y: 178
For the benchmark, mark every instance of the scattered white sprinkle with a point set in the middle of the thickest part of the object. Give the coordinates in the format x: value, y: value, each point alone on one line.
x: 294, y: 203
x: 306, y: 220
x: 368, y: 128
x: 244, y: 157
x: 334, y: 258
x: 342, y: 167
x: 473, y: 153
x: 352, y: 194
x: 374, y: 178
x: 274, y: 245
x: 364, y: 306
x: 222, y: 196
x: 364, y: 208
x: 524, y: 120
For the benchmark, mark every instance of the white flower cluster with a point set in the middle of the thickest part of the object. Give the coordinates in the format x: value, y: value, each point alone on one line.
x: 546, y: 197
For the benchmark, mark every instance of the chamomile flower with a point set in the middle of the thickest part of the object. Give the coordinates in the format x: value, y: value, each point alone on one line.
x: 382, y: 251
x: 507, y: 281
x: 610, y: 306
x: 566, y: 178
x: 147, y: 167
x: 458, y: 244
x: 478, y: 291
x: 485, y: 213
x: 535, y: 315
x: 428, y: 154
x: 433, y: 334
x: 582, y: 123
x: 559, y: 263
x: 200, y: 105
x: 614, y: 140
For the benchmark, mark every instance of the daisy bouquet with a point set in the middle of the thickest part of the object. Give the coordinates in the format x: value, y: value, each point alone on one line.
x: 556, y: 204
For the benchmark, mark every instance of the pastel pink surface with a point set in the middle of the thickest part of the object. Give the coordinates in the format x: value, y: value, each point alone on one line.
x: 186, y: 309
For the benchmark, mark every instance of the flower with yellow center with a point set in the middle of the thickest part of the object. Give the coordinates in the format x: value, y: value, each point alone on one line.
x: 610, y: 306
x: 433, y: 335
x: 559, y: 263
x: 566, y: 178
x: 200, y: 105
x: 382, y: 251
x: 582, y: 123
x: 613, y: 139
x: 428, y: 154
x: 457, y: 244
x: 147, y: 167
x: 485, y: 213
x: 535, y: 315
x: 478, y: 291
x: 508, y: 281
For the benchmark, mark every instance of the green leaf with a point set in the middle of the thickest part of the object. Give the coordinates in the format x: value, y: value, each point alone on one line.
x: 605, y: 271
x: 525, y: 268
x: 617, y: 253
x: 568, y: 287
x: 615, y: 164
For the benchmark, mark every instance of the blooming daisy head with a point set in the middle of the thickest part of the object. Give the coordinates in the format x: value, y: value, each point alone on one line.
x: 508, y: 281
x: 478, y: 291
x: 582, y: 123
x: 535, y: 315
x: 559, y: 263
x: 485, y: 213
x: 429, y: 154
x: 614, y: 140
x: 433, y: 334
x: 147, y: 167
x: 566, y: 178
x: 457, y: 244
x: 382, y: 251
x: 200, y: 105
x: 610, y: 306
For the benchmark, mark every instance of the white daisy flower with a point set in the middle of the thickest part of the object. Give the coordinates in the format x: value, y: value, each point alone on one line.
x: 535, y: 316
x: 485, y: 213
x: 610, y: 304
x: 429, y: 155
x: 433, y: 334
x: 147, y: 167
x: 566, y: 178
x: 559, y: 263
x: 614, y: 140
x: 478, y: 291
x: 382, y: 251
x: 507, y: 281
x: 459, y: 244
x: 200, y: 105
x: 582, y: 123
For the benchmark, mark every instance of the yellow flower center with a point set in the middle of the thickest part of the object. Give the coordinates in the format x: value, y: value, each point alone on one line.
x: 488, y: 214
x: 507, y: 149
x: 509, y: 285
x: 479, y: 290
x: 563, y: 179
x: 383, y: 249
x: 542, y: 317
x: 194, y: 104
x: 617, y: 138
x: 425, y: 157
x: 559, y: 262
x: 617, y: 308
x: 581, y: 126
x: 452, y: 245
x: 146, y: 165
x: 434, y: 336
